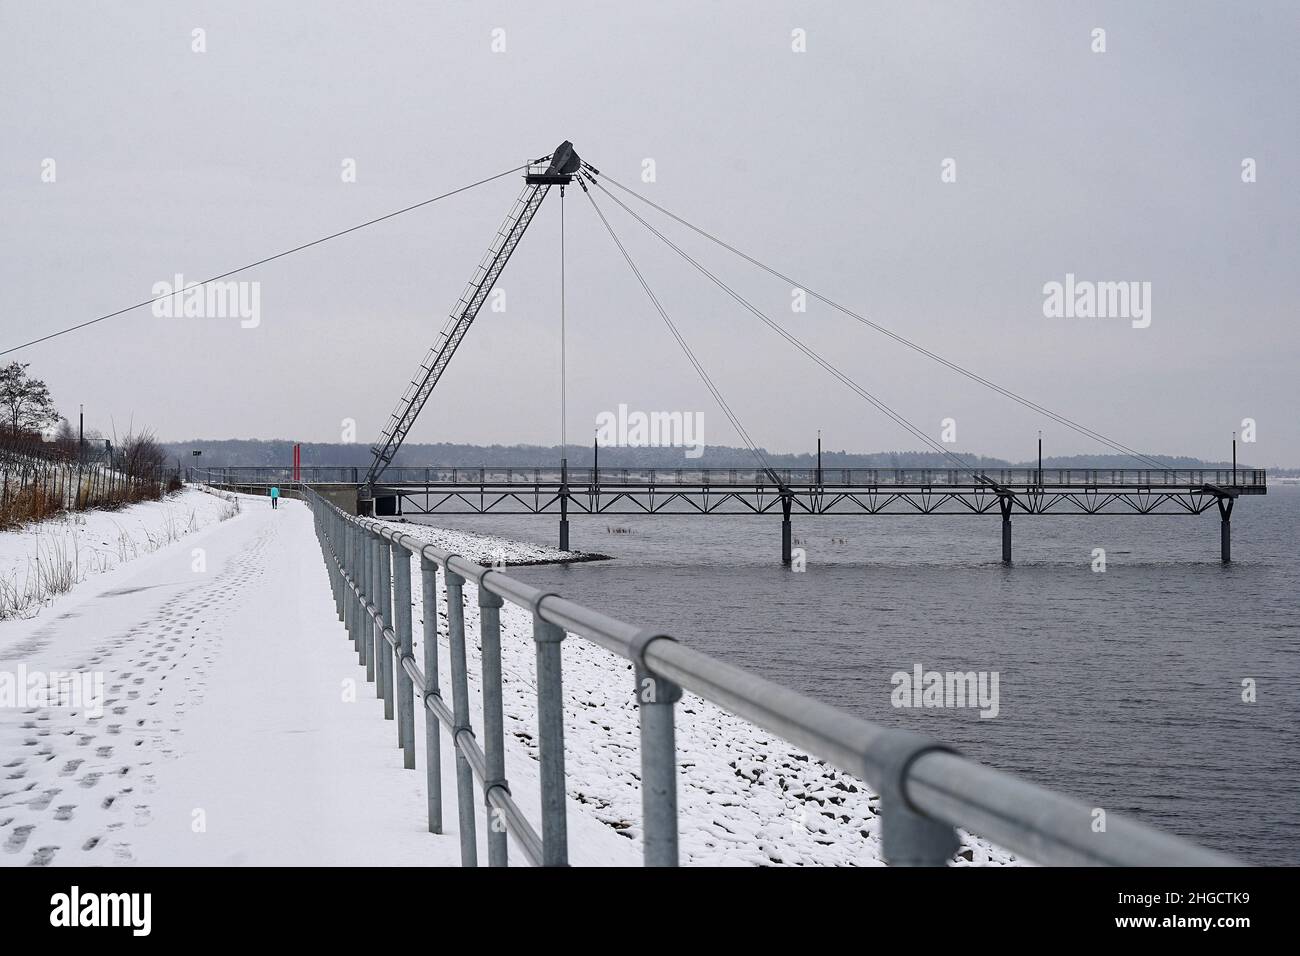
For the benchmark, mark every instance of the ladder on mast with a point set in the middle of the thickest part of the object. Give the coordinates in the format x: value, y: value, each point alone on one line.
x: 564, y: 162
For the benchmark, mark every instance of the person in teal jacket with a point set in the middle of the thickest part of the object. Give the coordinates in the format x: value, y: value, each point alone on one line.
x: 275, y: 497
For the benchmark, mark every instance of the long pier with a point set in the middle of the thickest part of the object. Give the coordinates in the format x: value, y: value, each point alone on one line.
x: 789, y: 492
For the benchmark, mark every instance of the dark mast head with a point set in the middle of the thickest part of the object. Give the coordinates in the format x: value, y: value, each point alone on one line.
x: 565, y: 163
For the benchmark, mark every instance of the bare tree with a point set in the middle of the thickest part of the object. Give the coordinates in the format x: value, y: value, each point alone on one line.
x: 141, y: 457
x: 24, y: 401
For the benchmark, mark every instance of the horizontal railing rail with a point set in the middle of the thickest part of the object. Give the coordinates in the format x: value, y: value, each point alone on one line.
x: 927, y: 790
x: 857, y: 477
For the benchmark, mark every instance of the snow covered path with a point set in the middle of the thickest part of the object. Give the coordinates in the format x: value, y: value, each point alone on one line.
x: 227, y: 734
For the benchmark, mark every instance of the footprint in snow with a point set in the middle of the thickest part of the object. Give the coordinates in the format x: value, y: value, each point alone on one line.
x: 44, y: 800
x: 18, y: 839
x: 43, y: 856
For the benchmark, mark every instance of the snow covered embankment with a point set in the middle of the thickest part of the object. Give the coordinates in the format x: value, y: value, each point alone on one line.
x: 45, y: 559
x: 745, y: 797
x: 487, y: 549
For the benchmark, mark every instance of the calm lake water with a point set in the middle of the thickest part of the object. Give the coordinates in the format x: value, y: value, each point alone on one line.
x: 1123, y: 688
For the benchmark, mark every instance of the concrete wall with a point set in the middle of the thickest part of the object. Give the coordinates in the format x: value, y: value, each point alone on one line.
x: 341, y: 496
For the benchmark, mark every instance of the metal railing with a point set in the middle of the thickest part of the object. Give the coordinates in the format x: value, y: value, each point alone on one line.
x: 927, y: 790
x: 858, y: 477
x: 264, y: 474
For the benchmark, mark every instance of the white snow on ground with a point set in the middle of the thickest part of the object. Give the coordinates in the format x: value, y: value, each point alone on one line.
x: 486, y: 548
x: 76, y: 545
x: 238, y: 729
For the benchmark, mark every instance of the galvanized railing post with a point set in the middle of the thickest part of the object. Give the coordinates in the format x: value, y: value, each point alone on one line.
x: 460, y: 712
x: 405, y: 645
x: 354, y: 546
x: 656, y: 698
x: 338, y: 542
x: 330, y: 534
x: 320, y: 528
x: 550, y: 733
x: 494, y: 745
x: 376, y: 633
x: 359, y: 575
x: 350, y: 563
x: 368, y: 589
x: 341, y: 550
x: 327, y: 538
x: 908, y: 837
x: 432, y: 728
x: 385, y: 603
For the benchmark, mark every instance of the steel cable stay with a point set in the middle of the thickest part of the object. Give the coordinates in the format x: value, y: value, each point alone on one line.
x: 807, y: 350
x: 1057, y: 417
x: 262, y: 261
x: 690, y: 354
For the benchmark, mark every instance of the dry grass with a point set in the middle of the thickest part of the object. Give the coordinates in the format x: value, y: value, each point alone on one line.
x: 25, y: 505
x: 41, y: 502
x: 55, y: 569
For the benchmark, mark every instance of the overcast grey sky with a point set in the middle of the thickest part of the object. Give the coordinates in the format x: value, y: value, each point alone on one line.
x: 1117, y: 166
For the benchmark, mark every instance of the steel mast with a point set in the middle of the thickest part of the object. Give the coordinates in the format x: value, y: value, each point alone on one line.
x: 563, y: 164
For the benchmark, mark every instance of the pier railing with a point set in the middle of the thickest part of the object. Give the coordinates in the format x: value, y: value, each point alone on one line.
x: 927, y: 789
x: 836, y: 477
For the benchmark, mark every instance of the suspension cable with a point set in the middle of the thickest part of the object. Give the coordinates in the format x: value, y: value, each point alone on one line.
x: 681, y: 341
x: 807, y: 350
x: 272, y: 258
x: 973, y: 376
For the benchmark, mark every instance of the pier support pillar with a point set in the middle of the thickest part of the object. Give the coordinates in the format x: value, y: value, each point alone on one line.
x: 564, y: 504
x: 564, y: 521
x: 787, y: 540
x: 1005, y: 504
x: 1225, y: 529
